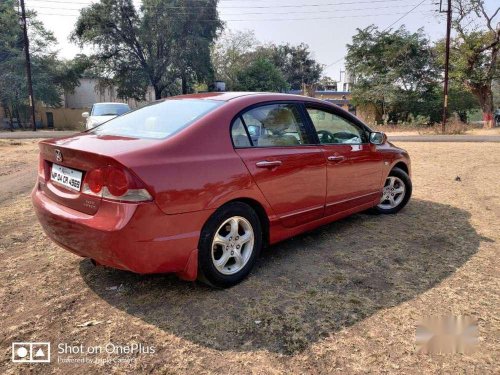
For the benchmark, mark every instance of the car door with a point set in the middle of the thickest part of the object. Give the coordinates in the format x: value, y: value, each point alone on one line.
x: 289, y: 170
x: 354, y: 167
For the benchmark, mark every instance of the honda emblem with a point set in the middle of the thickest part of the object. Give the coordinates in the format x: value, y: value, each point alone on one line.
x: 59, y: 156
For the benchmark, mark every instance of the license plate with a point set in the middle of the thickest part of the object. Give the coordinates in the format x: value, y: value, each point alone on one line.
x: 66, y: 176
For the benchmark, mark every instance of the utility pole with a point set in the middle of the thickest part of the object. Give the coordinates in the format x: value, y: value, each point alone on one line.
x: 28, y: 64
x: 446, y: 65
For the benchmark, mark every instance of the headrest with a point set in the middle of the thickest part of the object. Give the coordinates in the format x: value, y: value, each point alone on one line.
x: 279, y: 119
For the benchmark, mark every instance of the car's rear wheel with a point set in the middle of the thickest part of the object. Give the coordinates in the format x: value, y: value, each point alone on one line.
x: 396, y: 192
x: 230, y: 243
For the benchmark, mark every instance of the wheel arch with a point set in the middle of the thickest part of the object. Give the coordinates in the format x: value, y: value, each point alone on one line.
x: 403, y: 166
x: 261, y: 214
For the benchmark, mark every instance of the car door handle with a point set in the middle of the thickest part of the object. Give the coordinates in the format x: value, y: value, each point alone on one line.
x: 336, y: 158
x: 268, y: 164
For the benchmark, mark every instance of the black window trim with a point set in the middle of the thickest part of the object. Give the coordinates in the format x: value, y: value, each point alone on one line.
x: 242, y: 120
x: 312, y: 141
x: 340, y: 113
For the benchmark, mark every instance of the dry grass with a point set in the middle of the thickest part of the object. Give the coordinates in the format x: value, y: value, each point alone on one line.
x: 453, y: 127
x: 342, y: 299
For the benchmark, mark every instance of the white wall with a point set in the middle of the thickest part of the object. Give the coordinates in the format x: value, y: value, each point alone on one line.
x: 89, y: 93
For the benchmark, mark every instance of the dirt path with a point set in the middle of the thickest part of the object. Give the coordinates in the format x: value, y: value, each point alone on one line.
x: 16, y: 183
x: 342, y: 299
x: 17, y: 168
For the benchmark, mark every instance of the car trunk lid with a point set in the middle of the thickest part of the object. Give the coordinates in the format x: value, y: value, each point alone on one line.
x: 82, y: 153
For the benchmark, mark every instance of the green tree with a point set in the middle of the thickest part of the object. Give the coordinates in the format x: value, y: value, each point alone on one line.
x: 395, y: 70
x: 261, y: 75
x: 474, y: 52
x: 50, y: 75
x: 327, y: 83
x: 165, y: 43
x: 236, y: 50
x: 231, y: 53
x: 295, y: 62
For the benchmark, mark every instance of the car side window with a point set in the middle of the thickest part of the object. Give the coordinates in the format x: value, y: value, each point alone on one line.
x: 239, y: 134
x: 275, y: 125
x: 333, y: 129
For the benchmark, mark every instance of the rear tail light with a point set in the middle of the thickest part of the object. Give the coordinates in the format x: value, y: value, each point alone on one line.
x: 43, y: 169
x: 41, y: 164
x: 95, y: 180
x: 115, y: 184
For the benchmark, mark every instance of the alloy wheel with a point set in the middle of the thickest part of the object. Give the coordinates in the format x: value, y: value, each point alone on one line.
x: 232, y: 245
x: 393, y: 193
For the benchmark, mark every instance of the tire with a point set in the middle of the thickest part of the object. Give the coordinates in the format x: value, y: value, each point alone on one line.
x: 398, y: 176
x: 227, y: 260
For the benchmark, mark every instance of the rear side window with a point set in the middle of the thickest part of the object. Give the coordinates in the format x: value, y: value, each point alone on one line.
x: 239, y: 134
x: 158, y: 120
x: 272, y: 125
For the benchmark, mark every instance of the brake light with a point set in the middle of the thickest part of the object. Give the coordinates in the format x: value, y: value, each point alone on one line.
x: 41, y: 163
x: 95, y: 180
x: 115, y: 184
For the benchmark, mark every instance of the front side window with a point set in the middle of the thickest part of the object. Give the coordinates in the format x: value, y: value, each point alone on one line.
x: 158, y: 120
x: 333, y: 129
x: 274, y: 125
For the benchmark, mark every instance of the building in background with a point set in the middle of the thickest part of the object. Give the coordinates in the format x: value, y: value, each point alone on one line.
x: 339, y: 93
x: 69, y: 115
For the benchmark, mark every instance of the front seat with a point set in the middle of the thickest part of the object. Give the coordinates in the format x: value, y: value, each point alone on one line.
x: 276, y: 123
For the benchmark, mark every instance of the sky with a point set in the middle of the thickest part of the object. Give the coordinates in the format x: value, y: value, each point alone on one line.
x: 325, y: 25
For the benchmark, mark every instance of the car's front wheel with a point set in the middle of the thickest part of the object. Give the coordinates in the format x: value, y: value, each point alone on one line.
x: 396, y: 192
x: 230, y: 243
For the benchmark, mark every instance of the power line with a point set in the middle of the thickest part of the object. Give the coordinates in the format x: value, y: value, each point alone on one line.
x: 95, y: 1
x: 285, y: 13
x: 404, y: 15
x: 263, y: 19
x: 392, y: 24
x: 259, y: 6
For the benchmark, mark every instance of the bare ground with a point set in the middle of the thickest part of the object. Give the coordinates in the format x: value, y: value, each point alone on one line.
x: 343, y: 299
x: 436, y: 130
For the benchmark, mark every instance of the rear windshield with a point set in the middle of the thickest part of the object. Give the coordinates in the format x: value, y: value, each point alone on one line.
x: 158, y: 120
x: 109, y: 109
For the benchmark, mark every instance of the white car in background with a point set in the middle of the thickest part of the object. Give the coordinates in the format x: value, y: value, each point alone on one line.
x: 102, y: 112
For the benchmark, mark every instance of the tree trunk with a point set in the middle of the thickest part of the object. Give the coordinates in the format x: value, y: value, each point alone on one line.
x: 158, y: 91
x: 8, y: 113
x: 16, y: 114
x: 485, y: 97
x: 184, y: 83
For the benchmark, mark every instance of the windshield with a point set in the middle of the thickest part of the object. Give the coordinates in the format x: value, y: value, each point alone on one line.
x: 158, y: 120
x: 109, y: 109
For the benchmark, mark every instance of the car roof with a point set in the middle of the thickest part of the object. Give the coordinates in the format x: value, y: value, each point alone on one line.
x: 232, y: 95
x: 111, y: 103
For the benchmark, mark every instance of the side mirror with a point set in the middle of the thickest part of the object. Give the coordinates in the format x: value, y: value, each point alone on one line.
x: 378, y: 138
x: 85, y: 114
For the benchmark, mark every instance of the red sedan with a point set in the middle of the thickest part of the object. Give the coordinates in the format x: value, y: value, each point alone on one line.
x: 199, y: 184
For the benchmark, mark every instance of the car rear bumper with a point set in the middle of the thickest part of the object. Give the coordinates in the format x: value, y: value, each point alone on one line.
x: 134, y: 237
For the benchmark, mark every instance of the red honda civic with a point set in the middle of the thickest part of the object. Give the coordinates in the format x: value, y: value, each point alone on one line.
x: 199, y: 184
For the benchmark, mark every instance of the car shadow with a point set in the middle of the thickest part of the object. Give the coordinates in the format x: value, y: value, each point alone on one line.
x: 307, y: 287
